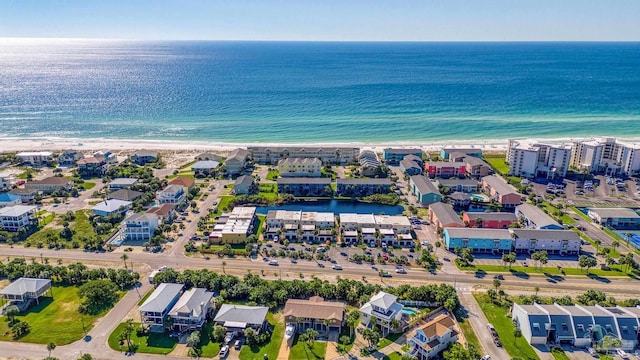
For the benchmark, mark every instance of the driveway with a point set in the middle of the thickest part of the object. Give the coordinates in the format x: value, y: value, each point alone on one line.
x: 479, y: 323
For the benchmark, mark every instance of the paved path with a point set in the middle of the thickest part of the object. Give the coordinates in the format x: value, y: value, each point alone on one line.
x: 283, y: 354
x: 479, y: 323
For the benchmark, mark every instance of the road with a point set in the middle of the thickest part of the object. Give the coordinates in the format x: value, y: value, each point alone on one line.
x: 479, y: 323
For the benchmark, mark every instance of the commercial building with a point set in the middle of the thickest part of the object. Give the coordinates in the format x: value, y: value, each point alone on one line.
x: 300, y: 167
x: 532, y: 159
x: 266, y: 155
x: 617, y: 218
x: 425, y: 191
x: 234, y: 227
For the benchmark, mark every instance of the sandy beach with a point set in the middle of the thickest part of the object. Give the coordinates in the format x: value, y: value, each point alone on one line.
x: 56, y: 144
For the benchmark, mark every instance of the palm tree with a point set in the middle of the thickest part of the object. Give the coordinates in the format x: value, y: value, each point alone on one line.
x: 516, y: 334
x: 50, y: 347
x: 537, y: 288
x: 224, y: 263
x: 124, y: 258
x: 628, y: 236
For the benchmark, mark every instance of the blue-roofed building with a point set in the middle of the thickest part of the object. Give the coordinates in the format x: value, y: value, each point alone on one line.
x: 627, y: 326
x: 493, y: 241
x: 582, y: 323
x: 533, y: 322
x: 560, y: 328
x: 7, y: 199
x: 603, y: 323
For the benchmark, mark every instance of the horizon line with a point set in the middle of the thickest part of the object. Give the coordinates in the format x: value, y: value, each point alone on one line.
x: 308, y: 41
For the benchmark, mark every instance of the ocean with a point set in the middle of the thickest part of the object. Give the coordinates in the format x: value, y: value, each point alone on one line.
x: 315, y: 92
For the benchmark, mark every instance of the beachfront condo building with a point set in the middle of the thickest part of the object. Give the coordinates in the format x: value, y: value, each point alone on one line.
x: 531, y: 159
x: 267, y: 155
x: 300, y: 167
x: 606, y: 155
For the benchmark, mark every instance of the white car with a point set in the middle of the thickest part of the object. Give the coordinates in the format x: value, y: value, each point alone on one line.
x: 337, y: 267
x: 224, y: 351
x: 401, y: 271
x: 623, y: 354
x: 486, y: 357
x: 273, y: 262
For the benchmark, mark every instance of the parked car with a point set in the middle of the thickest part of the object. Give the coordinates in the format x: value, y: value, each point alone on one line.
x: 273, y: 262
x: 498, y: 276
x: 486, y: 357
x: 224, y: 351
x: 337, y: 267
x: 237, y: 345
x: 228, y: 337
x: 623, y: 354
x: 401, y: 270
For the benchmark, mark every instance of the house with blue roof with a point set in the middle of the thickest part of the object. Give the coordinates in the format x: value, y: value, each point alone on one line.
x: 7, y: 199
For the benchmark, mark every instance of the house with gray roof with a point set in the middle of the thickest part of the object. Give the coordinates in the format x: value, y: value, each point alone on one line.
x: 25, y: 290
x: 157, y: 306
x: 442, y: 215
x: 304, y: 186
x: 618, y: 218
x: 410, y: 167
x: 190, y: 311
x: 461, y: 185
x: 628, y: 325
x: 205, y: 168
x: 424, y: 190
x: 240, y: 317
x: 244, y: 185
x: 533, y: 323
x: 562, y: 242
x: 382, y: 308
x: 533, y: 217
x: 122, y: 183
x: 113, y: 206
x: 142, y: 157
x: 560, y: 328
x: 236, y: 161
x: 125, y: 195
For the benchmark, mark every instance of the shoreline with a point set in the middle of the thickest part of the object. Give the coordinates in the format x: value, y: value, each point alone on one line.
x: 95, y: 144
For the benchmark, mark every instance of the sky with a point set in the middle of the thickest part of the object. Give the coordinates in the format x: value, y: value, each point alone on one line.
x: 324, y: 20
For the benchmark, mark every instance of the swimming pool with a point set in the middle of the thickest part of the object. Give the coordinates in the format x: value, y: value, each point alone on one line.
x: 409, y: 311
x: 477, y: 197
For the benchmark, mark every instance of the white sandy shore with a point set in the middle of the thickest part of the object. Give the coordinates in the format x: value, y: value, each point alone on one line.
x: 56, y: 143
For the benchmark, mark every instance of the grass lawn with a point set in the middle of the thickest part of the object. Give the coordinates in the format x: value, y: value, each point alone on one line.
x: 144, y: 298
x: 498, y: 316
x: 209, y: 348
x: 469, y: 333
x: 271, y: 348
x: 580, y: 213
x: 40, y: 236
x: 300, y: 350
x: 273, y: 175
x: 393, y: 356
x: 558, y: 354
x: 155, y: 343
x: 261, y: 220
x: 88, y: 185
x: 615, y: 270
x: 47, y: 219
x: 59, y: 313
x: 223, y: 203
x: 82, y: 227
x: 498, y: 163
x: 387, y: 340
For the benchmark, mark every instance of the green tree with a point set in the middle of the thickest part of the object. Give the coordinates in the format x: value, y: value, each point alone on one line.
x: 97, y: 295
x: 311, y: 336
x: 517, y: 333
x: 50, y: 347
x: 352, y: 320
x: 218, y: 333
x: 20, y: 329
x: 251, y: 337
x: 10, y: 312
x: 588, y: 262
x: 86, y: 357
x: 459, y: 352
x: 224, y: 263
x: 124, y: 258
x: 609, y: 342
x: 193, y: 339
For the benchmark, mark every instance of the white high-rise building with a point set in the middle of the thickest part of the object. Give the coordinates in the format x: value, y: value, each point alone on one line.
x: 531, y: 159
x: 606, y: 155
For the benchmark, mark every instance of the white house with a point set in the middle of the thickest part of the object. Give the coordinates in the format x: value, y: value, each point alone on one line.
x: 157, y: 306
x: 534, y: 218
x: 113, y: 206
x: 384, y: 308
x: 13, y: 218
x: 191, y: 310
x: 140, y: 227
x: 7, y: 180
x: 35, y: 158
x: 172, y: 194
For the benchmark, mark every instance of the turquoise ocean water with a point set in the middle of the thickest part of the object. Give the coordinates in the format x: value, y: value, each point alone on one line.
x: 318, y: 92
